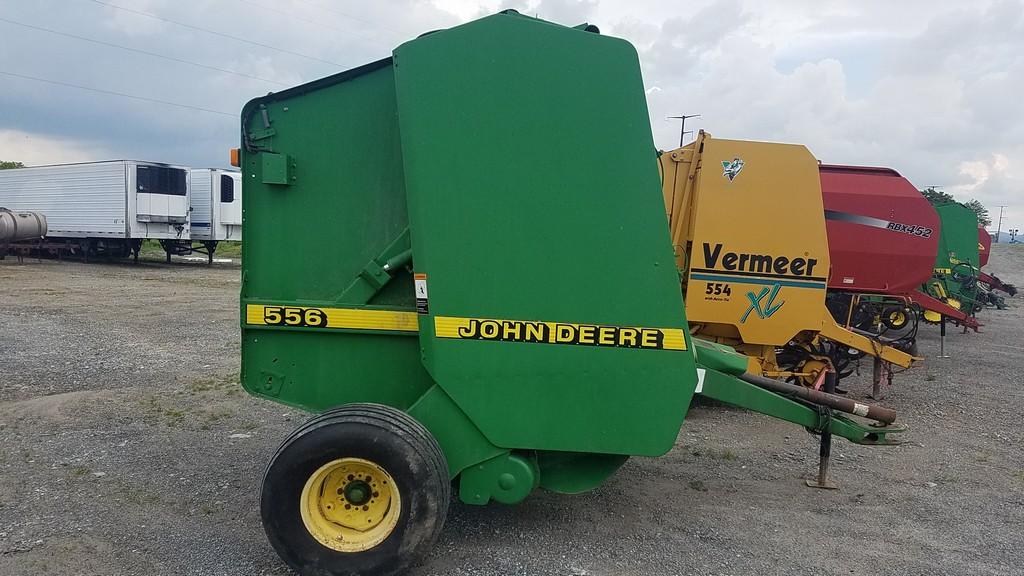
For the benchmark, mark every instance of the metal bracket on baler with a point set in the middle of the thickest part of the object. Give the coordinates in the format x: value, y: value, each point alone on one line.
x: 379, y: 271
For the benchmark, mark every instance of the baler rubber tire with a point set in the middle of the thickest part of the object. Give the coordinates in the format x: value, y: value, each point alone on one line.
x: 896, y: 318
x: 380, y: 434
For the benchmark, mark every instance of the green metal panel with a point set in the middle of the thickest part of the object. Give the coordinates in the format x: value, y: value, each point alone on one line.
x: 308, y: 242
x: 276, y: 169
x: 720, y: 357
x: 958, y: 246
x: 534, y: 195
x: 958, y: 237
x: 575, y: 472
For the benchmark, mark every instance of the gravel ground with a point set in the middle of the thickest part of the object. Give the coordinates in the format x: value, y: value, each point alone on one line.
x: 127, y: 447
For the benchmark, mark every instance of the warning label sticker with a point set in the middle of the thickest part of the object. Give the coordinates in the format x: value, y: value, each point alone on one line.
x: 421, y: 292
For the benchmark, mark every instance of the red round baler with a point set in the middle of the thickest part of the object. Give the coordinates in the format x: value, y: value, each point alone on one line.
x: 882, y: 233
x: 883, y: 236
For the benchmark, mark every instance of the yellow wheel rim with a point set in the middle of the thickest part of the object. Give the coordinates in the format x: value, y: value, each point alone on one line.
x: 811, y: 369
x: 932, y: 316
x: 897, y: 318
x: 350, y: 505
x: 953, y: 302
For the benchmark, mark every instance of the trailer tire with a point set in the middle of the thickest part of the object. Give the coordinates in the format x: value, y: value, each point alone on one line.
x: 374, y: 458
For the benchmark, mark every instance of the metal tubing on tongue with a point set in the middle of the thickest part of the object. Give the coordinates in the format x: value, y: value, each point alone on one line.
x: 877, y: 413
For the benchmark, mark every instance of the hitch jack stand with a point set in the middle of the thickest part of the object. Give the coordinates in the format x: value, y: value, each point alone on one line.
x: 942, y: 338
x: 878, y: 370
x: 825, y: 448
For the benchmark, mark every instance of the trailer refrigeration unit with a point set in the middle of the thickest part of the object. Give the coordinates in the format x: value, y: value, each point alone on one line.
x: 102, y: 208
x: 216, y: 199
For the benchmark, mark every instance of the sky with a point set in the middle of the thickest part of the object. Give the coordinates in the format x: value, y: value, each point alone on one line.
x: 928, y: 87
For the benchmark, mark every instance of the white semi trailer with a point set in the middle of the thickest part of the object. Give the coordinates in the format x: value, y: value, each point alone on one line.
x: 103, y: 208
x: 216, y: 198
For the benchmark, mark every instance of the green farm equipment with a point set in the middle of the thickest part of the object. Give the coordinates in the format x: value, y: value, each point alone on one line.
x: 957, y: 263
x: 487, y: 301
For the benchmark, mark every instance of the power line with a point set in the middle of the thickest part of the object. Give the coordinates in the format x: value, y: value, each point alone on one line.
x: 215, y: 33
x: 682, y: 125
x: 146, y: 52
x: 121, y: 94
x: 999, y: 228
x: 351, y: 17
x: 312, y: 22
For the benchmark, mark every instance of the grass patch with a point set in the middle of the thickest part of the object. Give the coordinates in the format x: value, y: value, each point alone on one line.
x: 136, y: 496
x: 151, y: 250
x: 725, y: 454
x: 78, y: 471
x: 173, y: 416
x: 213, y: 384
x: 231, y: 250
x: 209, y: 419
x: 157, y: 411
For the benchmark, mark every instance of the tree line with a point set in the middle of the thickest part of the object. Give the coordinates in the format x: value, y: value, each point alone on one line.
x: 937, y: 197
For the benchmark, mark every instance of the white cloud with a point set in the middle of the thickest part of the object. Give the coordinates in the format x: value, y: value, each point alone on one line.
x: 930, y: 89
x: 35, y: 149
x: 927, y: 87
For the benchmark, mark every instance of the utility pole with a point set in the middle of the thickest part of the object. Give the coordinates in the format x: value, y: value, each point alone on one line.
x: 999, y: 227
x: 682, y: 127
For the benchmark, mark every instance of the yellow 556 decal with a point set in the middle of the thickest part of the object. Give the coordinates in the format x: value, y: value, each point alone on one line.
x: 315, y: 317
x: 559, y: 333
x: 468, y: 328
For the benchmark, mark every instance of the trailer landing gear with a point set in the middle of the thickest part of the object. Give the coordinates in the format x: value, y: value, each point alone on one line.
x: 361, y: 489
x: 211, y: 247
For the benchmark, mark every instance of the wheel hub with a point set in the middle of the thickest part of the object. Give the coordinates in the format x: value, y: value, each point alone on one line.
x: 350, y: 505
x: 897, y: 319
x: 357, y: 492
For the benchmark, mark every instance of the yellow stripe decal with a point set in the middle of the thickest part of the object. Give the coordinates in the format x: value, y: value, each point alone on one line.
x: 344, y: 318
x: 559, y: 333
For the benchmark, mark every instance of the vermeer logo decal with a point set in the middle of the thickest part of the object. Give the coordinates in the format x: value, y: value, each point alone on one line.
x: 732, y: 169
x: 764, y: 308
x: 559, y: 333
x: 758, y: 263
